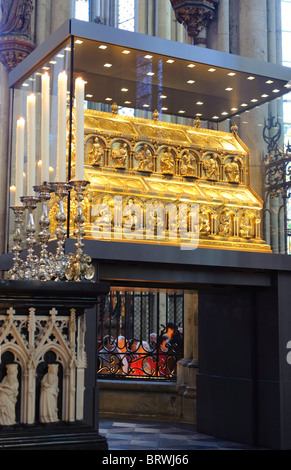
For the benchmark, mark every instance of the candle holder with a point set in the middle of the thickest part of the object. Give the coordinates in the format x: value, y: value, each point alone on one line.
x: 45, y: 264
x: 79, y: 266
x: 16, y: 271
x: 30, y: 270
x: 61, y: 190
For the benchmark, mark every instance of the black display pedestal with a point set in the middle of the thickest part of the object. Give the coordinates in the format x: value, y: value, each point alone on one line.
x: 45, y: 323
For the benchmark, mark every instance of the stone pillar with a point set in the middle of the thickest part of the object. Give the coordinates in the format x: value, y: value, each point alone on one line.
x: 163, y: 19
x: 4, y: 133
x: 223, y: 26
x: 188, y: 366
x: 60, y: 12
x: 253, y: 44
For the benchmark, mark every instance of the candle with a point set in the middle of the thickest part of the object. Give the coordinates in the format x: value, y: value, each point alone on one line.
x: 79, y: 95
x: 45, y: 126
x: 19, y: 160
x: 30, y: 144
x: 61, y: 174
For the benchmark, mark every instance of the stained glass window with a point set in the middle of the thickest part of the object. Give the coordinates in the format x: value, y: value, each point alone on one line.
x: 82, y: 10
x: 126, y: 14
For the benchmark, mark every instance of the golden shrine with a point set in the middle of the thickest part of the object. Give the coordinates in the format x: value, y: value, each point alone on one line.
x: 146, y: 176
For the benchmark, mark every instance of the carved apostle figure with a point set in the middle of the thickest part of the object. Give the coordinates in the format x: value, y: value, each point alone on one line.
x: 232, y: 171
x: 120, y: 155
x: 96, y: 152
x: 211, y: 168
x: 49, y: 395
x: 8, y: 395
x: 144, y: 156
x: 187, y: 168
x: 167, y: 163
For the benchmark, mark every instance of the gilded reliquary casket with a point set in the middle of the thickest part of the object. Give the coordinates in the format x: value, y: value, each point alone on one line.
x: 157, y: 182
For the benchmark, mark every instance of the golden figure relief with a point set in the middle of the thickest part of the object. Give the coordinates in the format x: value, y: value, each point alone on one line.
x: 167, y: 162
x: 245, y: 226
x: 232, y: 170
x: 187, y: 167
x: 211, y: 168
x: 95, y: 152
x: 145, y: 159
x: 119, y: 155
x: 225, y: 224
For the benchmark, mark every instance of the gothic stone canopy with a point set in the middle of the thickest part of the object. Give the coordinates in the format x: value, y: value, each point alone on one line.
x: 194, y: 14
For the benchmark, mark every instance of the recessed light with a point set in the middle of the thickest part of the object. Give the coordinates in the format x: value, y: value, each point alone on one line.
x: 276, y: 90
x: 181, y: 111
x: 215, y: 117
x: 254, y: 100
x: 68, y: 49
x: 25, y: 84
x: 53, y: 61
x: 45, y: 68
x: 264, y: 96
x: 150, y: 74
x: 199, y: 103
x: 224, y: 113
x: 32, y: 79
x: 89, y: 96
x: 191, y: 66
x: 251, y: 78
x: 211, y: 70
x: 78, y: 41
x: 125, y: 52
x: 102, y: 46
x: 164, y: 109
x: 170, y: 61
x: 146, y: 105
x: 163, y: 96
x: 148, y: 56
x: 127, y: 102
x: 124, y: 89
x: 269, y: 82
x: 108, y: 99
x: 231, y: 74
x: 191, y: 81
x: 60, y: 56
x: 228, y: 89
x: 244, y: 104
x: 198, y: 114
x: 107, y: 65
x: 233, y: 109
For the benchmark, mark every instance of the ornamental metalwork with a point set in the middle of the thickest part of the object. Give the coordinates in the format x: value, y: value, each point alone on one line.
x: 277, y: 185
x: 141, y: 334
x: 194, y: 15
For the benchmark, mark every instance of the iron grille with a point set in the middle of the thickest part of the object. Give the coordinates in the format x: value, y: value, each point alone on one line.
x: 140, y: 334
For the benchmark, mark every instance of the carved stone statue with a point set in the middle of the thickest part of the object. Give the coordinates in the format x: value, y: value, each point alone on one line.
x: 144, y: 156
x: 232, y: 171
x: 96, y: 152
x: 120, y: 155
x: 49, y: 395
x: 167, y: 162
x: 8, y: 395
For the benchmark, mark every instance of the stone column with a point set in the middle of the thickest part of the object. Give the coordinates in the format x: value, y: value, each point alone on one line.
x: 188, y: 366
x: 4, y: 133
x: 163, y: 12
x: 60, y: 12
x: 253, y: 44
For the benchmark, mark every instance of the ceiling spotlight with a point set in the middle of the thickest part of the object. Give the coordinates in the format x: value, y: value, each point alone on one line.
x: 127, y: 102
x: 191, y: 66
x: 264, y: 96
x: 181, y: 111
x: 89, y: 96
x: 148, y: 56
x: 164, y: 109
x: 170, y: 61
x: 108, y: 99
x: 215, y: 117
x: 254, y: 100
x: 107, y: 65
x: 251, y: 78
x: 269, y: 82
x: 233, y: 109
x: 228, y: 89
x: 125, y: 52
x: 276, y: 90
x: 199, y: 103
x: 191, y: 81
x: 124, y: 89
x: 78, y: 41
x: 231, y: 74
x: 211, y: 70
x: 224, y: 113
x: 146, y: 105
x: 163, y: 96
x: 244, y: 104
x: 102, y: 46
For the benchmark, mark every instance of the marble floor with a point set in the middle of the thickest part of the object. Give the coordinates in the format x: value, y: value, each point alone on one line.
x: 153, y: 436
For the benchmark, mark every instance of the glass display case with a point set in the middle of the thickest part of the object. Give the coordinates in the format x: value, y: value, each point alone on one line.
x: 146, y: 130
